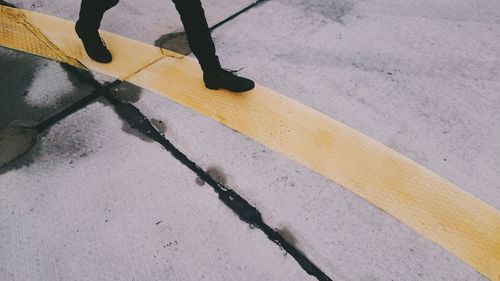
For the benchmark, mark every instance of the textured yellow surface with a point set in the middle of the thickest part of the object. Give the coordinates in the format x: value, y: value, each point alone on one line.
x: 17, y: 33
x: 442, y: 212
x: 129, y: 58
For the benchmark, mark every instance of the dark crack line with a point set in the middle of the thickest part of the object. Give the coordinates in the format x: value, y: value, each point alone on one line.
x: 229, y: 197
x: 99, y: 90
x: 247, y: 8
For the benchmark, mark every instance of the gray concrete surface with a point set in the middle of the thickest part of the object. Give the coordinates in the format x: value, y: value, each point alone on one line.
x: 421, y: 77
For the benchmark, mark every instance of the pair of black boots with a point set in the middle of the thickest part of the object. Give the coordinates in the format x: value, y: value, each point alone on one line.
x: 215, y: 79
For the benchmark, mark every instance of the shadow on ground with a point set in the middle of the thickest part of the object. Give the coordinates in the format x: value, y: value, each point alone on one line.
x: 33, y: 89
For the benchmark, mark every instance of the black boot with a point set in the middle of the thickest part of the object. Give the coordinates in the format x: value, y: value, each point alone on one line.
x: 227, y: 79
x: 94, y: 45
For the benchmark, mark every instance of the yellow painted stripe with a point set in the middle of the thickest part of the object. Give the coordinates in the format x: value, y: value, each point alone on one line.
x: 432, y: 206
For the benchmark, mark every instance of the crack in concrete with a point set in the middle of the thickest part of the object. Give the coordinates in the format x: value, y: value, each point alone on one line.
x: 133, y: 116
x: 80, y: 104
x: 233, y: 16
x: 126, y: 77
x: 170, y: 54
x: 245, y: 211
x: 85, y: 77
x: 164, y: 54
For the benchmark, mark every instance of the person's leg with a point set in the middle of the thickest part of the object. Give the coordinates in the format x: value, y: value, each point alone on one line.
x: 87, y: 28
x: 198, y: 33
x: 201, y: 43
x: 92, y: 12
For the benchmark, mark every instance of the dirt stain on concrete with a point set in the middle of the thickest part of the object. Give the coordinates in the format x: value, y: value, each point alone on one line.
x: 159, y: 125
x: 216, y: 173
x: 288, y: 235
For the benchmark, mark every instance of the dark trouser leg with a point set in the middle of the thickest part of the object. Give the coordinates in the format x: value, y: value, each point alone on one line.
x: 198, y: 33
x: 91, y: 13
x: 87, y: 26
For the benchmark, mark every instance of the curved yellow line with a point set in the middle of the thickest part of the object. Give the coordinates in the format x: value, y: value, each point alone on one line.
x: 432, y: 206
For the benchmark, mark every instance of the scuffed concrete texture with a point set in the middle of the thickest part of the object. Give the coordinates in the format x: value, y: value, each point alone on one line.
x: 32, y: 89
x: 127, y: 211
x: 141, y: 20
x: 426, y: 87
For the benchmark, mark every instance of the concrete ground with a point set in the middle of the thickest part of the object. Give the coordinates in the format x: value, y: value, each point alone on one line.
x: 96, y: 200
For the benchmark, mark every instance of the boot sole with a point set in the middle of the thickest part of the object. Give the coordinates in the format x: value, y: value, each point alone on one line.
x: 211, y: 87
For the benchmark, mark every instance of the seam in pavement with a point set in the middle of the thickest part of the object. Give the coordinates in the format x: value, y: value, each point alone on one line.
x: 233, y: 16
x: 128, y: 76
x: 239, y: 205
x: 229, y: 197
x: 99, y: 90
